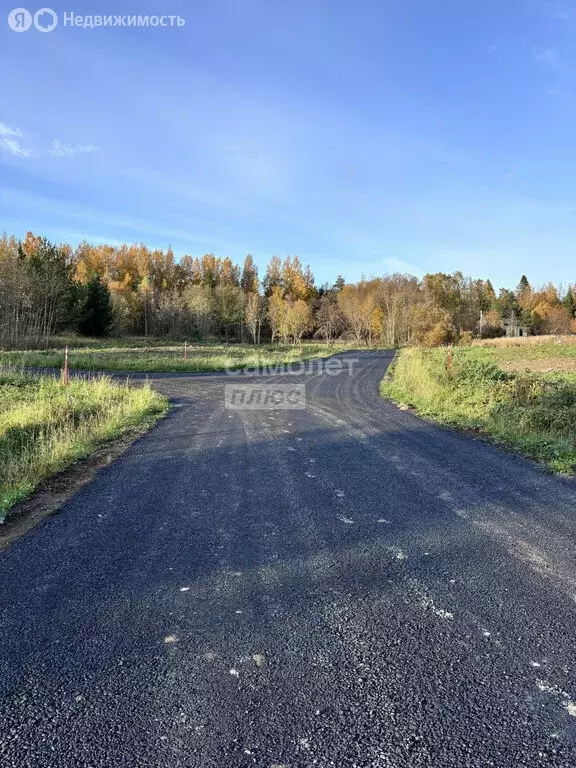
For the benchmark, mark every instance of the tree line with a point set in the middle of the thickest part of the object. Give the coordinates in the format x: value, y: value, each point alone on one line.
x: 99, y: 290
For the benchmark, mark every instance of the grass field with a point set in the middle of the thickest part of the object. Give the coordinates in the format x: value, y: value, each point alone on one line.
x: 136, y: 354
x: 492, y: 388
x: 45, y: 426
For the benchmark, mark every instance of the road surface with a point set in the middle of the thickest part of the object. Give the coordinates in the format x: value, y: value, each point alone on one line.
x: 341, y: 585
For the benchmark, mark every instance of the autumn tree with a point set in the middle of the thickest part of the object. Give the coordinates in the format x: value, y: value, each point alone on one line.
x: 38, y: 295
x: 329, y: 320
x: 491, y: 326
x: 273, y: 276
x: 296, y: 281
x: 276, y: 313
x: 253, y: 315
x: 396, y: 297
x: 199, y: 300
x: 298, y: 319
x: 43, y: 289
x: 228, y: 306
x: 249, y: 279
x: 357, y: 303
x: 433, y: 326
x: 555, y: 320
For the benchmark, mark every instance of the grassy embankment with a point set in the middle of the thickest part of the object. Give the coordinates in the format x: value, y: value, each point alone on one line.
x: 134, y: 354
x: 522, y: 393
x: 45, y: 426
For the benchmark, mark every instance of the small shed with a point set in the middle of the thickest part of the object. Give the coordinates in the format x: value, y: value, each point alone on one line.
x: 514, y: 328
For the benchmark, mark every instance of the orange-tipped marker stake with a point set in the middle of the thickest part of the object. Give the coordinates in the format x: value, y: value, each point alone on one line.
x: 66, y: 376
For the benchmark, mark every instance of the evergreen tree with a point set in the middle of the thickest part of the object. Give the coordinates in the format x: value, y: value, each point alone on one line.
x: 570, y: 303
x: 339, y: 284
x: 507, y: 304
x: 96, y: 313
x: 522, y: 287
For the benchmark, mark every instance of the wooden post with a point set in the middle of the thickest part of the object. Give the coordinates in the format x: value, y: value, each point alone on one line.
x: 66, y: 376
x: 185, y: 351
x: 449, y: 359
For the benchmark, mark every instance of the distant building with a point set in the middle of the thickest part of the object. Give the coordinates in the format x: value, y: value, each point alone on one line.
x: 514, y: 328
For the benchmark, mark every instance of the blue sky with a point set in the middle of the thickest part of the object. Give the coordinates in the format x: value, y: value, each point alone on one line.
x: 365, y: 137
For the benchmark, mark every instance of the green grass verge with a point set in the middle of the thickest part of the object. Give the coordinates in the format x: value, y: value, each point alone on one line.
x: 532, y: 413
x: 160, y: 356
x: 45, y: 426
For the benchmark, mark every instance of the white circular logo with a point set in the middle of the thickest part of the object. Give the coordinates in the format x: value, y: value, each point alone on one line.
x: 19, y: 20
x: 45, y: 20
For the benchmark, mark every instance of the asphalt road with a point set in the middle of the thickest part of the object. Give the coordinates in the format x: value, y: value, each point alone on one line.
x: 341, y: 585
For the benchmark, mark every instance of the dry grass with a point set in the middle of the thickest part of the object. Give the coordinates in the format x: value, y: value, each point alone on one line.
x: 525, y: 341
x: 539, y: 354
x: 542, y: 365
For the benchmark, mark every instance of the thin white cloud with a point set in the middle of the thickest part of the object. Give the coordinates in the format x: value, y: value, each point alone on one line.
x: 70, y: 150
x: 6, y: 130
x: 190, y: 238
x: 14, y: 147
x: 559, y: 11
x: 398, y: 266
x: 548, y: 56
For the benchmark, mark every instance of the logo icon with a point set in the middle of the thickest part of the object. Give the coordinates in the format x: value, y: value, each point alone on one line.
x: 19, y: 20
x: 45, y: 20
